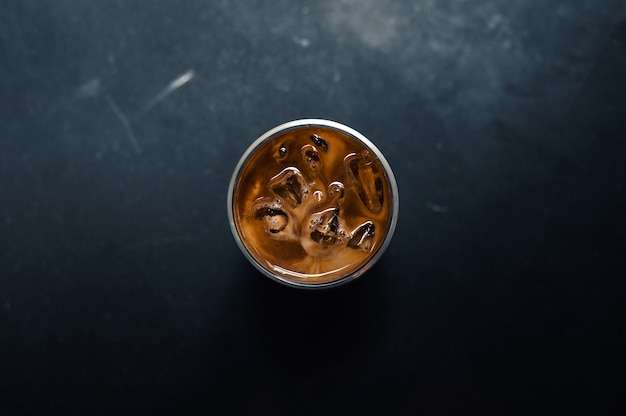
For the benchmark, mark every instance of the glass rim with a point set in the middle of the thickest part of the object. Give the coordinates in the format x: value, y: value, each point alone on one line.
x: 313, y: 122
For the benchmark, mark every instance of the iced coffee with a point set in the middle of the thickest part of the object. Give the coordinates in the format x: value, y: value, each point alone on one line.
x: 313, y: 203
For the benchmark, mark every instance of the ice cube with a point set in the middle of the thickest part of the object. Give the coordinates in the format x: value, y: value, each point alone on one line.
x: 322, y: 239
x: 311, y: 157
x: 336, y: 190
x: 326, y: 227
x: 319, y: 142
x: 274, y: 220
x: 290, y: 186
x: 363, y: 237
x: 367, y: 179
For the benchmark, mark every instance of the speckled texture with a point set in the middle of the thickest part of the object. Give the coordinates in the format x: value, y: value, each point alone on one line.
x: 122, y: 290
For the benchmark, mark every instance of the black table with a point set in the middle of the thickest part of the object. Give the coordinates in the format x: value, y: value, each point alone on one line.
x: 122, y: 290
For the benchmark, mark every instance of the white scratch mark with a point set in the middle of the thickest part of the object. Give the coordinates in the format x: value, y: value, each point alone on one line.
x: 304, y: 42
x: 439, y: 209
x: 89, y: 89
x: 171, y: 87
x: 125, y: 123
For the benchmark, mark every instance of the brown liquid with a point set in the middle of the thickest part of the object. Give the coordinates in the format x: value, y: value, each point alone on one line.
x: 312, y: 204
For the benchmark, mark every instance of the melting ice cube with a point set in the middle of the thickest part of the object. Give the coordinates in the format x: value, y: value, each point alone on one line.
x: 367, y: 178
x: 290, y: 186
x: 326, y: 227
x: 275, y: 220
x: 336, y: 190
x: 311, y: 157
x: 319, y: 142
x: 363, y: 237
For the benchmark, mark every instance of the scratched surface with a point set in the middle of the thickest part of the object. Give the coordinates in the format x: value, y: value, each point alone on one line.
x: 122, y: 290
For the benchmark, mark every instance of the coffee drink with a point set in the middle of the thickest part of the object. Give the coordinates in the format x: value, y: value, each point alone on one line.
x: 313, y: 203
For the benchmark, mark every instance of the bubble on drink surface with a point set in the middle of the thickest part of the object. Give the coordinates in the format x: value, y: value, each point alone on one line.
x: 367, y: 179
x: 318, y: 196
x: 274, y: 220
x: 290, y: 186
x: 363, y: 237
x: 326, y: 227
x: 319, y: 142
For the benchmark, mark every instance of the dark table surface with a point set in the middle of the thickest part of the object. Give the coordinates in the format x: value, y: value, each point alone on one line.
x: 122, y: 290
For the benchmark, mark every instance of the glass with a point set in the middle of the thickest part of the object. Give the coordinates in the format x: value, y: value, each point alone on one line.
x: 312, y: 204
